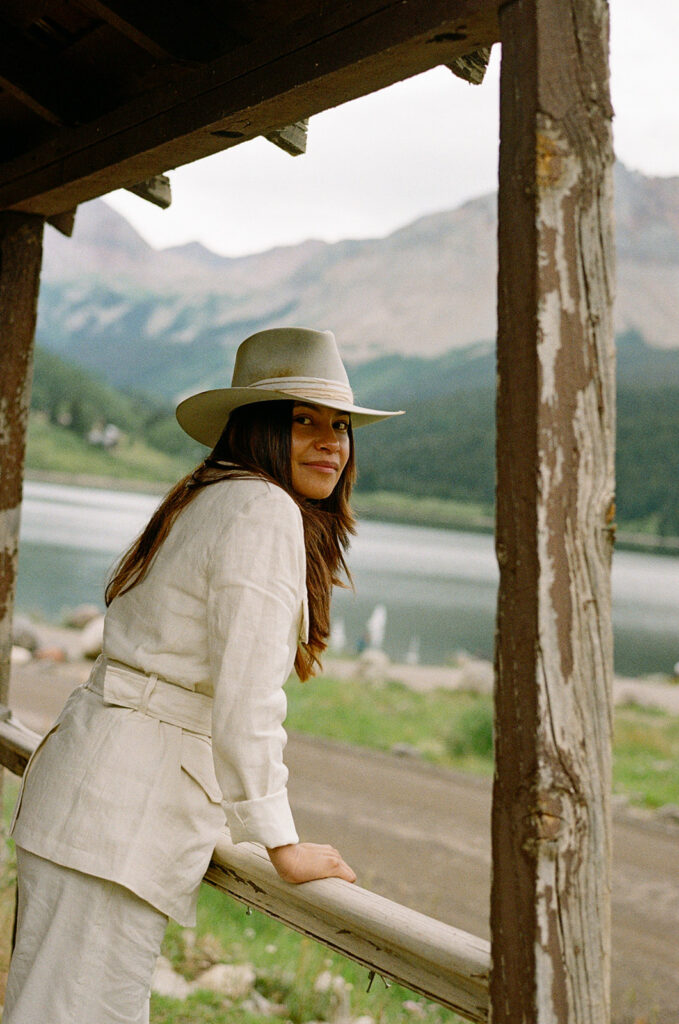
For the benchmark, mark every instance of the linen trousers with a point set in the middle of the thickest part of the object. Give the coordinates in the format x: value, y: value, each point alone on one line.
x: 85, y: 949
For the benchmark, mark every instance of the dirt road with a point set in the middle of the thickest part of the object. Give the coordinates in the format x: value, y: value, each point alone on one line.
x: 420, y: 835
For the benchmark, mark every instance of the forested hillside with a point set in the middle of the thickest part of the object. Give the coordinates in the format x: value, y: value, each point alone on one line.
x: 443, y: 448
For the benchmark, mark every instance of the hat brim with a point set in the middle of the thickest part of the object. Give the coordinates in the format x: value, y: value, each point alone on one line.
x: 204, y: 416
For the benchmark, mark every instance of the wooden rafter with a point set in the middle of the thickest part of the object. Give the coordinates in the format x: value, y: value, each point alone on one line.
x: 277, y: 80
x: 29, y: 73
x: 185, y: 32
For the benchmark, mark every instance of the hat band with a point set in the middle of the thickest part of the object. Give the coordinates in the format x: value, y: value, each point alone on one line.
x: 315, y: 389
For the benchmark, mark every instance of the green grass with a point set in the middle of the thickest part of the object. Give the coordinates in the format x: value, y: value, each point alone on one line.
x: 61, y: 451
x: 436, y: 724
x: 646, y: 756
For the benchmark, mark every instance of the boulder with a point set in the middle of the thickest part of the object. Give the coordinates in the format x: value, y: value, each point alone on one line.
x: 232, y: 980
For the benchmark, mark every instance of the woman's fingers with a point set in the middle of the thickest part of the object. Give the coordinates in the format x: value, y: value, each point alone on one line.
x: 303, y: 862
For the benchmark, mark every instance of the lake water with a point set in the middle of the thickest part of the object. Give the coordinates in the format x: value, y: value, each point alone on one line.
x: 438, y: 586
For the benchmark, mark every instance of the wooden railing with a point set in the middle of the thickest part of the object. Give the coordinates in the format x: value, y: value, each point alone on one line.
x: 440, y: 962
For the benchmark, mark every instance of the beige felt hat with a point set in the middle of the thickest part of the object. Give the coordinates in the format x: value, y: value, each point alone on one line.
x: 281, y: 363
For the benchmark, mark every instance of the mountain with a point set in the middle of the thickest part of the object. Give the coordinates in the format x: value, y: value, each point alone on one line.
x: 167, y: 321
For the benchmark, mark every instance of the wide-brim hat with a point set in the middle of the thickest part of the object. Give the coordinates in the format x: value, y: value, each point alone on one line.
x: 282, y: 363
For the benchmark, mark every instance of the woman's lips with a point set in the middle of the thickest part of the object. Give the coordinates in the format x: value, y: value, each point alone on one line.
x: 323, y: 467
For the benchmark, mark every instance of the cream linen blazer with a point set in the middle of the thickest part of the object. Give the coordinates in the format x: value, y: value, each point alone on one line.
x: 119, y: 794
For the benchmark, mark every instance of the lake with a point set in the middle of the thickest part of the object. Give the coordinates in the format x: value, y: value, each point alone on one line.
x: 438, y: 586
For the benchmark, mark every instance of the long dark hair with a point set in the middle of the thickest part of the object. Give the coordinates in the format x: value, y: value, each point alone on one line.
x: 256, y: 442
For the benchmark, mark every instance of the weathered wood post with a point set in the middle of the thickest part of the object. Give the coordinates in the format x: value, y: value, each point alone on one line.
x: 555, y: 479
x: 20, y: 261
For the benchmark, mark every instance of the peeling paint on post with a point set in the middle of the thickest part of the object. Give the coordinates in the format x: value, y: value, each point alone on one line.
x: 555, y: 486
x: 20, y: 260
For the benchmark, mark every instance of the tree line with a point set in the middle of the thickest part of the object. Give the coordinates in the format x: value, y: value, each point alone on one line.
x: 443, y: 447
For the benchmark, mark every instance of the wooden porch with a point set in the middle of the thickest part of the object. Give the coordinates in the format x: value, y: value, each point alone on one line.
x: 104, y: 94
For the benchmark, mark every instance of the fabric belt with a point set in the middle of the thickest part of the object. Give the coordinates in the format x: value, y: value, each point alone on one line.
x: 125, y: 687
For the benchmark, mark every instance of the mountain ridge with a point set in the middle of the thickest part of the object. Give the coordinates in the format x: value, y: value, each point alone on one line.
x: 169, y: 320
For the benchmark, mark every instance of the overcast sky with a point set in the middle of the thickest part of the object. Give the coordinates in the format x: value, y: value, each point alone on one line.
x: 426, y: 144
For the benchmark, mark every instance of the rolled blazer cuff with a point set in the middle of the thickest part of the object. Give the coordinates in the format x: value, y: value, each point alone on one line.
x: 266, y: 820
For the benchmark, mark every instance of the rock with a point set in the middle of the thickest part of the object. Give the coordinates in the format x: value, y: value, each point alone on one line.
x: 24, y: 633
x: 233, y: 980
x: 166, y: 981
x: 79, y: 617
x: 92, y: 638
x: 20, y: 655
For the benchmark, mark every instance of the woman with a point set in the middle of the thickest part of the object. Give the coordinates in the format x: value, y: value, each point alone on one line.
x: 179, y: 727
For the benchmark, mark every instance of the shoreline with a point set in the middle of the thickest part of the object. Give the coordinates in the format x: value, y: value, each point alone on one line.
x: 373, y: 506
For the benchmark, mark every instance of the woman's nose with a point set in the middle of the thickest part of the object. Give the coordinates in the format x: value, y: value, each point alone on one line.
x: 327, y: 439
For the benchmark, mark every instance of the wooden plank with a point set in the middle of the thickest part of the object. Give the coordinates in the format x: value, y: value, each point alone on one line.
x: 63, y: 222
x: 472, y: 67
x: 555, y: 467
x: 28, y: 72
x: 20, y: 260
x: 292, y: 138
x: 156, y: 190
x: 357, y: 47
x: 438, y: 961
x: 185, y: 31
x: 17, y: 743
x: 442, y: 963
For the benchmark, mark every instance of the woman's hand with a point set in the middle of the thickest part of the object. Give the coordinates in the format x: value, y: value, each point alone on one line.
x: 302, y: 862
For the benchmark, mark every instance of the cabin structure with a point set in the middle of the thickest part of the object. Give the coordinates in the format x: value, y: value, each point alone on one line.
x: 97, y: 95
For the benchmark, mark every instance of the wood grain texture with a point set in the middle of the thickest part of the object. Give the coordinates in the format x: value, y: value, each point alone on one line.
x: 20, y: 260
x: 440, y: 962
x: 310, y: 65
x: 555, y: 488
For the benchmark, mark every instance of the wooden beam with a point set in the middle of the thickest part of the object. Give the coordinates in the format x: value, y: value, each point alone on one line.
x: 472, y: 67
x: 183, y: 31
x: 20, y: 260
x: 323, y: 60
x: 555, y: 465
x: 156, y: 190
x: 33, y: 76
x: 63, y: 222
x: 440, y: 962
x: 292, y: 139
x: 126, y: 28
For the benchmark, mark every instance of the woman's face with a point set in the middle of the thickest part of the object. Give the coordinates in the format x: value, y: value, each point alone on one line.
x: 319, y: 449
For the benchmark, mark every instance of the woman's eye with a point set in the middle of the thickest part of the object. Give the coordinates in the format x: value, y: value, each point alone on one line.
x: 342, y: 425
x: 302, y: 418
